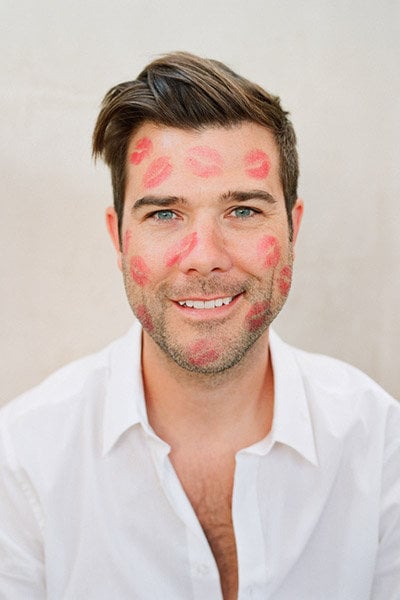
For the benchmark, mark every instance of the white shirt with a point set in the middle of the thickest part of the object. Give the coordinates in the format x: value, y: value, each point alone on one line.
x: 91, y: 507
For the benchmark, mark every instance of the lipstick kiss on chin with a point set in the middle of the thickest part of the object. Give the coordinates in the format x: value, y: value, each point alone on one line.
x: 202, y: 353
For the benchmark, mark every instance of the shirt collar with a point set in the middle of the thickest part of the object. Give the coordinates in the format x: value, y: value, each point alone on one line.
x: 124, y: 402
x: 292, y: 424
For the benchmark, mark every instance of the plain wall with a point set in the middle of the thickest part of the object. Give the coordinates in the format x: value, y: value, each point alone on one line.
x: 335, y: 66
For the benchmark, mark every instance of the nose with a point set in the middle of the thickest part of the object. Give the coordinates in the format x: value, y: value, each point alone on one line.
x: 209, y: 252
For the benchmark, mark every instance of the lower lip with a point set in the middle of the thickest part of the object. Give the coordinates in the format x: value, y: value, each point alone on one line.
x: 209, y: 313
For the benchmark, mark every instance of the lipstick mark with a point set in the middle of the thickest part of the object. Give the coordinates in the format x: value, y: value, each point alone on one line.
x: 142, y: 149
x: 257, y: 316
x: 127, y: 240
x: 204, y: 161
x: 159, y: 170
x: 285, y: 280
x: 202, y: 353
x: 180, y: 250
x: 139, y: 270
x: 144, y: 317
x: 269, y: 248
x: 257, y: 164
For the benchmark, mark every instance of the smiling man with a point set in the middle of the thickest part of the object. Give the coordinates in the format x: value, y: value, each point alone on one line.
x: 200, y: 456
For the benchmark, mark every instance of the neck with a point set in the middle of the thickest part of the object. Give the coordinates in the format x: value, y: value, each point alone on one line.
x: 232, y: 408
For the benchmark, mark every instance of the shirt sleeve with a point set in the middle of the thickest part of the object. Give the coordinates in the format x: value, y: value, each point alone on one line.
x: 386, y: 584
x: 21, y: 548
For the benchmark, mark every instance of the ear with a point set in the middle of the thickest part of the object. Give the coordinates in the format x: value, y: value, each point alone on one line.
x: 112, y: 227
x: 297, y: 215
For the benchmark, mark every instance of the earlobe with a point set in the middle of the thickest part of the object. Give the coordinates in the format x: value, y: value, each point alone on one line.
x: 113, y: 230
x: 297, y: 215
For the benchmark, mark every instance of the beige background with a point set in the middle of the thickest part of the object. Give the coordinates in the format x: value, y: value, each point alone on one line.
x: 335, y: 65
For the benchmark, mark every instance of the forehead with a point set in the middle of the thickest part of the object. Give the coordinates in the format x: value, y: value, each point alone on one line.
x: 229, y: 140
x: 211, y: 160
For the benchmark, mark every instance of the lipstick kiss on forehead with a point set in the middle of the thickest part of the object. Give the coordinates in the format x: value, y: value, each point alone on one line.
x: 257, y: 164
x: 204, y: 161
x: 158, y: 171
x: 142, y: 149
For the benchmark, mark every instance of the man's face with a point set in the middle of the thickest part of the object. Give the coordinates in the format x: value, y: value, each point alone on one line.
x: 205, y: 250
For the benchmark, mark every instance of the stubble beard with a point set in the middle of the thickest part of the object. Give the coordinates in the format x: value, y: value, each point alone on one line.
x: 233, y: 347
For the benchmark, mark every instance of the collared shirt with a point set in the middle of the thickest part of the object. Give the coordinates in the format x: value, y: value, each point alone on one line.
x: 91, y: 507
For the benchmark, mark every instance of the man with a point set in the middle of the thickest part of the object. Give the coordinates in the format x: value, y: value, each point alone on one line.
x: 200, y: 456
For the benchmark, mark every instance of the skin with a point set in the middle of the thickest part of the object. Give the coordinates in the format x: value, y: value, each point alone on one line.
x: 193, y: 238
x: 201, y: 237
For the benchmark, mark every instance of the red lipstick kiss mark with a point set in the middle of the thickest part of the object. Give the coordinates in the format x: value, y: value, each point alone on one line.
x: 180, y: 250
x: 204, y: 161
x: 257, y: 164
x: 139, y: 270
x: 144, y: 317
x: 159, y: 170
x: 127, y: 240
x: 285, y: 280
x: 142, y: 149
x: 202, y: 353
x: 257, y: 316
x: 269, y: 248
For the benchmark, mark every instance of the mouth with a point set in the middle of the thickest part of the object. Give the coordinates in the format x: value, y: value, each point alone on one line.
x: 207, y: 304
x: 208, y: 308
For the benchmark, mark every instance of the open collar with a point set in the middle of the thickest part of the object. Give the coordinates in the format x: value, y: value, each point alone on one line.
x: 125, y: 403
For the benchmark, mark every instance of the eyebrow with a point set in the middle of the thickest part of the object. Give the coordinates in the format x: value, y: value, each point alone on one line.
x: 158, y: 201
x: 236, y: 196
x: 239, y: 196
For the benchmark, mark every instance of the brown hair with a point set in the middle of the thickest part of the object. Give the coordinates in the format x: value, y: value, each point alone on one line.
x: 185, y: 91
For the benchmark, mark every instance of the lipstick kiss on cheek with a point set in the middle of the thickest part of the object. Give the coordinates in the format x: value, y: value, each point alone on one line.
x: 202, y: 353
x: 181, y: 250
x: 144, y: 317
x: 127, y: 240
x: 285, y: 280
x: 257, y: 316
x: 268, y: 249
x: 139, y: 271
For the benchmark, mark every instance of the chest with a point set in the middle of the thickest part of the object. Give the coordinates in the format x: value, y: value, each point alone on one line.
x: 210, y: 494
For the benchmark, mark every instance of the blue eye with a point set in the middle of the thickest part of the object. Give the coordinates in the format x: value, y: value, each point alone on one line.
x: 243, y: 212
x: 164, y: 215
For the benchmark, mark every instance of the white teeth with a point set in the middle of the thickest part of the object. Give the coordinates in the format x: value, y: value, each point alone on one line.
x: 207, y: 303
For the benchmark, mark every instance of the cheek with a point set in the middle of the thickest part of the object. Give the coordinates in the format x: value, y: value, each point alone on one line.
x: 257, y: 316
x: 285, y: 280
x: 141, y: 151
x: 126, y: 241
x: 202, y: 353
x: 179, y: 251
x: 144, y: 317
x: 139, y: 271
x: 158, y: 171
x: 204, y: 161
x: 257, y: 164
x: 268, y: 250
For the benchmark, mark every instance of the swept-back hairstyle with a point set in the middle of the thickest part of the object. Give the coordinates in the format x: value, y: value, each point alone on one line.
x: 184, y: 91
